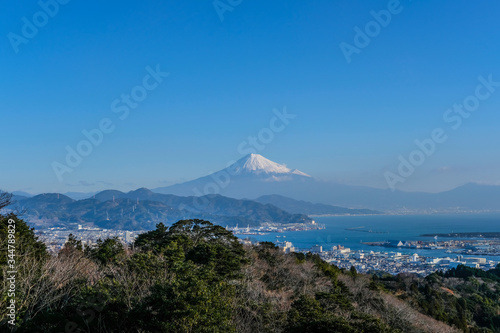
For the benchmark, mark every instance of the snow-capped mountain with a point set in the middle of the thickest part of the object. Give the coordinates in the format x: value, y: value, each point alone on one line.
x: 248, y: 177
x: 255, y: 164
x: 254, y: 176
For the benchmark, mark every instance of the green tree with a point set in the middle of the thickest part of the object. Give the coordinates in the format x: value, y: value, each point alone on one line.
x: 308, y: 316
x: 153, y: 240
x: 201, y: 242
x: 353, y: 272
x: 26, y: 242
x: 190, y: 302
x: 27, y: 255
x: 108, y: 251
x: 72, y: 244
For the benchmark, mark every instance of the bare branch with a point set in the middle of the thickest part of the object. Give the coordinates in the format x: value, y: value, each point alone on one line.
x: 5, y: 199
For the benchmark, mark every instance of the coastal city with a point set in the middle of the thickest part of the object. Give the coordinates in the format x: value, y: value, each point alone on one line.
x: 56, y: 237
x: 394, y: 262
x: 269, y: 227
x: 469, y: 252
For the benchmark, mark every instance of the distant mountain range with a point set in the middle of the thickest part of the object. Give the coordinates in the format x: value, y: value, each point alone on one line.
x: 143, y: 209
x: 254, y: 176
x: 279, y: 194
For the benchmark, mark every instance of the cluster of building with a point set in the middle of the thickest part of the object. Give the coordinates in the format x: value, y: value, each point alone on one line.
x: 56, y: 237
x: 390, y: 262
x: 268, y: 227
x: 462, y: 246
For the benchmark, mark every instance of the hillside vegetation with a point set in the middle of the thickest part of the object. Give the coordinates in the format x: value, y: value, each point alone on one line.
x: 197, y: 277
x: 464, y: 297
x: 143, y: 209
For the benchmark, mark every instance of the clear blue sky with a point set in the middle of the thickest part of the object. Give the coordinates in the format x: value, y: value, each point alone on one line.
x: 353, y: 119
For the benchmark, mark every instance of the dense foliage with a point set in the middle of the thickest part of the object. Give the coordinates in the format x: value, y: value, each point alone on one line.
x: 197, y: 277
x: 464, y: 297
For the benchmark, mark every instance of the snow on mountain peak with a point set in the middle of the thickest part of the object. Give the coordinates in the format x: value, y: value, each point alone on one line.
x: 255, y: 163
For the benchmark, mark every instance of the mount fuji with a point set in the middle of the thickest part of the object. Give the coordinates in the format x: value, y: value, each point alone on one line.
x: 251, y: 176
x: 255, y: 176
x: 256, y: 165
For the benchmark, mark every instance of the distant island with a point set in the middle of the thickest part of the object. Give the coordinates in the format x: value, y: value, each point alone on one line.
x: 362, y: 229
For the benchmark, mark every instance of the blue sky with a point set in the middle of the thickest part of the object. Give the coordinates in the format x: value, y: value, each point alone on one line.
x: 353, y: 120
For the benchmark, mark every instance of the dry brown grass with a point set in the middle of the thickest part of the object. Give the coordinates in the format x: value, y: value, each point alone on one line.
x: 397, y: 313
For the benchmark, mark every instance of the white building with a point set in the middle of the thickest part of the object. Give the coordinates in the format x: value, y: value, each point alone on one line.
x: 445, y: 261
x: 345, y: 250
x: 432, y: 261
x: 288, y: 247
x: 359, y: 255
x: 472, y: 264
x: 395, y: 254
x: 317, y: 249
x: 475, y: 260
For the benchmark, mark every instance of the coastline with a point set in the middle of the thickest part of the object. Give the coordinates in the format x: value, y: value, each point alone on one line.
x: 331, y: 215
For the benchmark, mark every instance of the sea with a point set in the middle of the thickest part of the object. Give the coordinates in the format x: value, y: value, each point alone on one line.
x: 385, y: 227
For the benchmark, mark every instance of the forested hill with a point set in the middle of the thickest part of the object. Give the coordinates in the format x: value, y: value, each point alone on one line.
x: 143, y: 209
x: 197, y: 277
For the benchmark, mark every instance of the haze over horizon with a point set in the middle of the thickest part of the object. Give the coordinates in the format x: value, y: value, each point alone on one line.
x: 231, y: 84
x: 257, y: 172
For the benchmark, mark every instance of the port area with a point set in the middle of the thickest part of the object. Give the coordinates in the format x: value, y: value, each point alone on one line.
x: 473, y: 235
x: 269, y: 227
x: 482, y: 246
x: 391, y: 262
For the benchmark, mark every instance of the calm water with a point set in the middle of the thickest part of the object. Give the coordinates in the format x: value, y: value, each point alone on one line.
x: 394, y: 227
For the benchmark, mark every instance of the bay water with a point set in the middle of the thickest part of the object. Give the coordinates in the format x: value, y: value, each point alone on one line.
x: 386, y: 227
